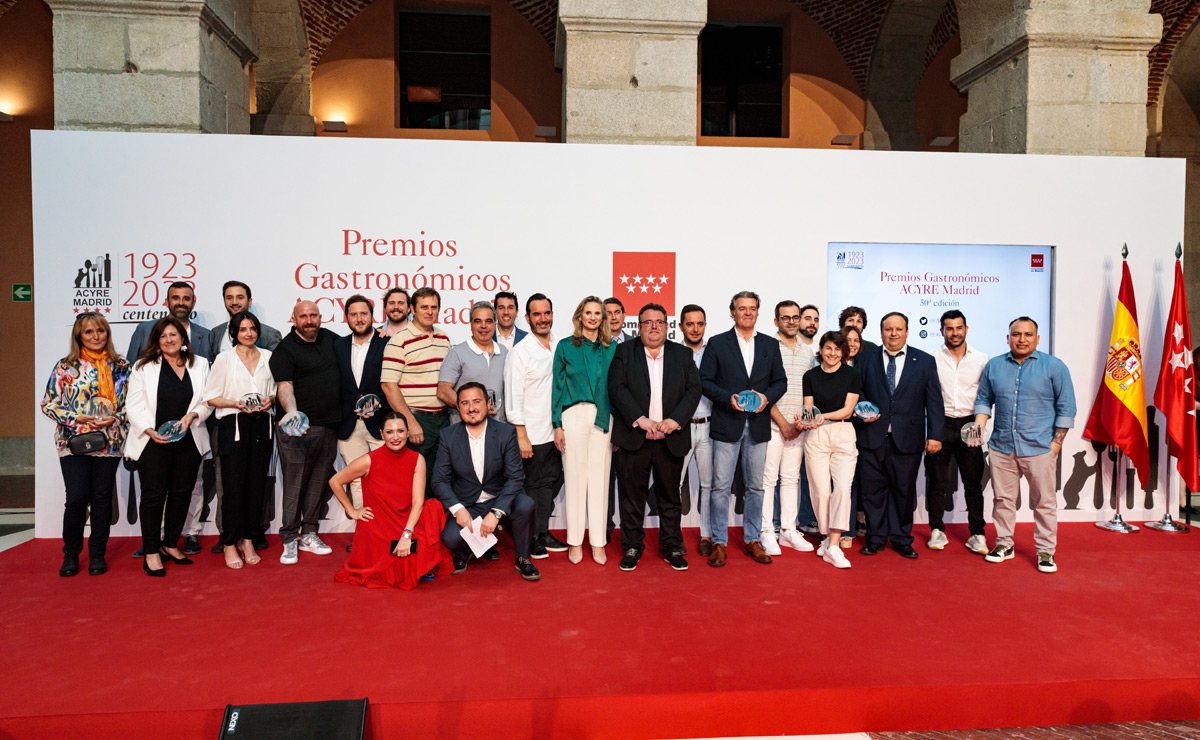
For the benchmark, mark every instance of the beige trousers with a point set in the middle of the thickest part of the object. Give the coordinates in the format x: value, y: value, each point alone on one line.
x: 360, y: 443
x: 830, y: 454
x: 1007, y: 472
x: 586, y: 462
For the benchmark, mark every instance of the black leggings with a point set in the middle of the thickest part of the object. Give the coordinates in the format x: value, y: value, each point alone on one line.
x: 89, y: 481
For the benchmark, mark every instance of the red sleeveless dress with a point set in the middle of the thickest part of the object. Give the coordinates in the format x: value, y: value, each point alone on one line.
x: 387, y: 490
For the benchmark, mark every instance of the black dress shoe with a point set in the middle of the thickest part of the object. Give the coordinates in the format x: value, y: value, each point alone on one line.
x: 527, y: 569
x: 140, y: 552
x: 870, y: 549
x: 905, y: 551
x: 675, y: 560
x: 460, y: 564
x: 97, y: 566
x: 350, y: 547
x: 552, y: 543
x: 260, y: 543
x: 178, y: 561
x: 630, y: 559
x: 70, y: 566
x: 492, y: 555
x: 191, y: 545
x: 537, y: 550
x: 160, y: 573
x: 217, y: 548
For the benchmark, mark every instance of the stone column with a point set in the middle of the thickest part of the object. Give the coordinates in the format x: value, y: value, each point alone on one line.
x: 1055, y: 76
x: 152, y: 65
x: 630, y: 70
x: 283, y: 74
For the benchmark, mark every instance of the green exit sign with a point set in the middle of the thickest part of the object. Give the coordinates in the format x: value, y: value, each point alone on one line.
x: 22, y: 292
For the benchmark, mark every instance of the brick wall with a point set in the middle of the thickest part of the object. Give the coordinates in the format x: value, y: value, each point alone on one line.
x: 1178, y: 18
x: 5, y: 5
x: 854, y: 27
x: 946, y: 29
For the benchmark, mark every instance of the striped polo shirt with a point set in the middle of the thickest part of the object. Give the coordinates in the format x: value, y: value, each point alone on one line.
x: 795, y: 364
x: 414, y: 360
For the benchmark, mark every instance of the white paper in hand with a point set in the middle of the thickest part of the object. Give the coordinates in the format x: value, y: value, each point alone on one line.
x: 479, y: 545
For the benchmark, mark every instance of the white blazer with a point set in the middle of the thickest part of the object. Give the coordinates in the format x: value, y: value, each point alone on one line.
x: 141, y: 406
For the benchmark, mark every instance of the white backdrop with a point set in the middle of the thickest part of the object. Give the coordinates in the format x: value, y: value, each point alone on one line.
x: 297, y: 218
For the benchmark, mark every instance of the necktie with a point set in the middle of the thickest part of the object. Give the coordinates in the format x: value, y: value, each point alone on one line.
x: 891, y: 372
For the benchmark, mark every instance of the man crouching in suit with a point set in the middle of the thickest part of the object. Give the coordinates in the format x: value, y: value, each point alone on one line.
x: 478, y: 472
x: 903, y: 382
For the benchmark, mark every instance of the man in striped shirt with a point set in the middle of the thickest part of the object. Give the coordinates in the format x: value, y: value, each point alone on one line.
x: 411, y: 363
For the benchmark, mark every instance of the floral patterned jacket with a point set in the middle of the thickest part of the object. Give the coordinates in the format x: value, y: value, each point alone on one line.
x: 67, y: 395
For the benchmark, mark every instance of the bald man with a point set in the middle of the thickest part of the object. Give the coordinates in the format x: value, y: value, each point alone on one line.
x: 306, y: 371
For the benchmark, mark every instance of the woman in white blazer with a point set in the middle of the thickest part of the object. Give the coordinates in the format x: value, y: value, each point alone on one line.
x: 167, y: 384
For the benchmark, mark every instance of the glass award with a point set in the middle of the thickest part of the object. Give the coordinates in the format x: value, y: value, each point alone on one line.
x: 295, y: 426
x: 493, y: 400
x: 99, y: 407
x: 172, y: 431
x: 866, y: 410
x: 367, y: 405
x: 254, y: 402
x: 972, y: 434
x: 749, y: 401
x: 810, y: 416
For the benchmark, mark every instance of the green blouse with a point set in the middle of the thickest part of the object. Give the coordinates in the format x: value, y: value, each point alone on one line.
x: 581, y: 376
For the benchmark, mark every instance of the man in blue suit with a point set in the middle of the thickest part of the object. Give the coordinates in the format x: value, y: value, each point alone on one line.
x: 507, y: 332
x: 734, y: 361
x: 903, y: 382
x: 478, y: 474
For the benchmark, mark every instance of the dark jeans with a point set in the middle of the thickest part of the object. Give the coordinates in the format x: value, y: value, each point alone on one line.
x: 518, y: 521
x: 244, y: 465
x: 168, y: 474
x: 89, y: 480
x: 305, y: 462
x: 432, y: 427
x: 941, y: 482
x: 636, y: 467
x: 543, y: 479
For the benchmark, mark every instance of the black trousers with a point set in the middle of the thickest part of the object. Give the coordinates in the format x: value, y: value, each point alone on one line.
x: 244, y: 466
x: 168, y: 474
x: 941, y: 482
x: 89, y: 481
x: 889, y: 492
x: 543, y: 480
x: 519, y: 521
x: 614, y: 471
x: 636, y: 466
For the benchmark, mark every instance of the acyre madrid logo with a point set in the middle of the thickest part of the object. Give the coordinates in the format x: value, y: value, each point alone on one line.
x: 644, y: 277
x: 93, y: 285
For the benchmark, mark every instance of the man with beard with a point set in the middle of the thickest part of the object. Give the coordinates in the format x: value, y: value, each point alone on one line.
x: 305, y: 368
x: 528, y: 382
x: 237, y: 298
x: 508, y: 334
x: 359, y: 359
x: 785, y: 450
x: 395, y: 311
x: 478, y: 359
x: 693, y: 321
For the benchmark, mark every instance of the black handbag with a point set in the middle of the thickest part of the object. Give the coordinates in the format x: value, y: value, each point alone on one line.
x: 88, y: 444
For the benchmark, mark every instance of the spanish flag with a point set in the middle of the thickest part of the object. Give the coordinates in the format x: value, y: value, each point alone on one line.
x: 1118, y: 416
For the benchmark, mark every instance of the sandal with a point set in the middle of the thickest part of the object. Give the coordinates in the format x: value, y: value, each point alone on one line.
x: 250, y: 557
x: 235, y: 563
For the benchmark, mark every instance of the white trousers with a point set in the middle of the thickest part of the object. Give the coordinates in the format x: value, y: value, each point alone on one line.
x: 586, y: 463
x: 782, y: 465
x: 359, y: 443
x: 832, y: 454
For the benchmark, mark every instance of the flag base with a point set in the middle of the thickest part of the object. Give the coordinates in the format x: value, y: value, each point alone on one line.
x: 1168, y: 525
x: 1119, y: 525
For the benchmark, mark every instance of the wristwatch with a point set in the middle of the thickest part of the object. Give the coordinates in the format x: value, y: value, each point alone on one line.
x: 498, y: 514
x: 407, y: 533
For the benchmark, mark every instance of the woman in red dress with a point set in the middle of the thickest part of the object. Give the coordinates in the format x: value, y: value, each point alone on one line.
x: 394, y: 510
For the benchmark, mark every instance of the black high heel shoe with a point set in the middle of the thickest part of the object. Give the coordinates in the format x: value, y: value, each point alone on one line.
x: 185, y: 560
x: 160, y: 573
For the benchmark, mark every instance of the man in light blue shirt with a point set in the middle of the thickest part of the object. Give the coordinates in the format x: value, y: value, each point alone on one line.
x: 1034, y: 404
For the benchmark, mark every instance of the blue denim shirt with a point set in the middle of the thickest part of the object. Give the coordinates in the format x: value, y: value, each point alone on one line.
x: 1032, y: 399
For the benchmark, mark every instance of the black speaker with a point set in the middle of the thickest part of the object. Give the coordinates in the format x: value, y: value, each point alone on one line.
x: 304, y: 720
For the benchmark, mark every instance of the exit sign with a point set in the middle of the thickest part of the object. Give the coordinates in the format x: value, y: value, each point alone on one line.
x: 22, y: 292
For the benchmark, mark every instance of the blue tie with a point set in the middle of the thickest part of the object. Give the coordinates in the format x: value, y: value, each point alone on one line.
x: 891, y: 372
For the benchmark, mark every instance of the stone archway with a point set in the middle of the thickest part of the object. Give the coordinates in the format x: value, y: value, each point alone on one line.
x: 897, y: 64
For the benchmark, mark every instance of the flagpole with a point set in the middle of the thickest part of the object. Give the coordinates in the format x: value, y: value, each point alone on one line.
x: 1168, y: 524
x: 1117, y: 524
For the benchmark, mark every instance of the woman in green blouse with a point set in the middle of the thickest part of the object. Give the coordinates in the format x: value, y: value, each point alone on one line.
x: 581, y: 418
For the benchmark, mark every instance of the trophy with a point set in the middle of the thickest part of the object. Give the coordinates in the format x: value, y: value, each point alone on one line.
x: 172, y: 431
x: 749, y: 401
x: 866, y: 410
x: 367, y: 405
x: 972, y: 434
x: 254, y: 402
x: 99, y: 407
x: 810, y: 417
x: 295, y: 424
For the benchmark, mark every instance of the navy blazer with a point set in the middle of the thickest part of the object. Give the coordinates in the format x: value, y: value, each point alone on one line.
x: 454, y: 479
x: 201, y: 340
x: 629, y: 394
x: 915, y: 412
x: 723, y: 374
x: 268, y: 339
x: 518, y: 335
x: 350, y: 393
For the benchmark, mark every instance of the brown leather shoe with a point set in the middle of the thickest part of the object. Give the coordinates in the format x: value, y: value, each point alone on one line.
x: 705, y: 549
x: 717, y: 557
x: 755, y: 550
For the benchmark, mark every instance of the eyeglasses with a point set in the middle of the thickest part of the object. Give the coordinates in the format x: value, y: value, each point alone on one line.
x: 789, y: 319
x: 655, y: 323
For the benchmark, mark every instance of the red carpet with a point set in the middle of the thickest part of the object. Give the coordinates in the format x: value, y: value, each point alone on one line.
x: 796, y: 647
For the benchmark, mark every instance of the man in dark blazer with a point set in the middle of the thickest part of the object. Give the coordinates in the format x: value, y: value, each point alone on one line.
x: 237, y: 298
x: 738, y: 360
x: 654, y: 389
x: 478, y: 473
x: 903, y: 382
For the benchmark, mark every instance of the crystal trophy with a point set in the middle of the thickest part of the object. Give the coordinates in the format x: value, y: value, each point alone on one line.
x: 367, y: 405
x: 749, y: 401
x: 295, y: 426
x: 172, y: 431
x: 972, y: 434
x: 810, y: 417
x: 99, y: 407
x: 866, y: 410
x: 254, y: 402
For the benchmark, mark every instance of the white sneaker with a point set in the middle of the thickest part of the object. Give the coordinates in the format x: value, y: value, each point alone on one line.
x: 977, y: 544
x: 835, y: 557
x: 937, y: 540
x: 312, y: 543
x: 289, y: 556
x: 795, y: 540
x: 769, y: 543
x: 823, y: 548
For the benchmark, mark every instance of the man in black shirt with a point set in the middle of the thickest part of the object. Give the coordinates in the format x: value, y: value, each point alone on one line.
x: 305, y: 368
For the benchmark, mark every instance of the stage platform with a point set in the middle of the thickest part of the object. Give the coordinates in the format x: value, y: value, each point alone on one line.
x: 944, y: 642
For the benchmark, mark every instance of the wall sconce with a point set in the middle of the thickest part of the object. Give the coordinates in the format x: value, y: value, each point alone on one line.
x: 843, y: 139
x: 942, y: 141
x: 335, y: 127
x: 6, y: 118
